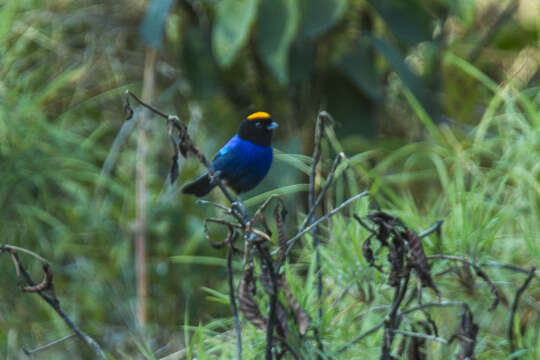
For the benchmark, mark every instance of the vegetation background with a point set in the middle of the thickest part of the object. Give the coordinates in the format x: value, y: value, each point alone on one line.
x: 436, y: 104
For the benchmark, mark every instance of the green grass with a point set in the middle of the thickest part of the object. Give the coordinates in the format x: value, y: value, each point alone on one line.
x: 60, y: 109
x: 485, y: 184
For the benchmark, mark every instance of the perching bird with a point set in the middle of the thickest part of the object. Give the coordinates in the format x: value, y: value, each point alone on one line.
x: 244, y: 160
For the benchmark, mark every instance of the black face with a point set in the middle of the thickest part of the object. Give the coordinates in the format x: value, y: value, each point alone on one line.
x: 258, y: 131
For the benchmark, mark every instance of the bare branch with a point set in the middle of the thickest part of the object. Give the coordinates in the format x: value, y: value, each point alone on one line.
x: 499, y: 296
x: 47, y: 346
x: 234, y: 308
x: 519, y: 292
x: 432, y: 229
x: 421, y: 336
x: 391, y: 320
x: 291, y: 241
x: 49, y: 296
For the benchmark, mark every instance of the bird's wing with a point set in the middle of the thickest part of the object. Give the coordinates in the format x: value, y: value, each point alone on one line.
x: 228, y: 160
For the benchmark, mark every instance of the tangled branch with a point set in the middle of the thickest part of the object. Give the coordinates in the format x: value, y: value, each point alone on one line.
x: 45, y: 289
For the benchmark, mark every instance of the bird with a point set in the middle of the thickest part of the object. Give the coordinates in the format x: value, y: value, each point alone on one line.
x: 243, y: 162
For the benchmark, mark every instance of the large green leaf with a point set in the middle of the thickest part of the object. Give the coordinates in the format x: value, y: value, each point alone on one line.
x: 352, y: 110
x: 200, y: 68
x: 407, y: 20
x: 396, y: 60
x: 358, y: 66
x: 318, y: 16
x: 154, y: 21
x: 231, y: 30
x: 276, y: 28
x: 301, y: 60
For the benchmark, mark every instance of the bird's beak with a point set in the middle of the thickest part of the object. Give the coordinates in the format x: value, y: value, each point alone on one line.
x: 272, y: 126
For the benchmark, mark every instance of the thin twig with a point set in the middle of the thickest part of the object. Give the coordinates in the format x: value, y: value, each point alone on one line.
x: 519, y: 292
x: 311, y: 218
x: 218, y: 205
x: 510, y: 267
x: 290, y: 243
x: 11, y: 248
x: 391, y: 320
x: 433, y: 304
x: 420, y: 335
x: 337, y: 160
x: 499, y: 296
x: 400, y: 314
x: 501, y: 19
x: 432, y: 229
x: 148, y: 106
x: 268, y: 263
x: 187, y: 144
x: 359, y: 338
x: 49, y: 345
x: 55, y: 304
x: 234, y: 308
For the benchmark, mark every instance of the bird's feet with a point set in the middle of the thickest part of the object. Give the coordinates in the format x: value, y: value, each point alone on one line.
x: 239, y: 207
x: 214, y: 179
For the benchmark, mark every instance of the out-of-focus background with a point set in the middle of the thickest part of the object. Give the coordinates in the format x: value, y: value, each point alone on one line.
x: 392, y: 73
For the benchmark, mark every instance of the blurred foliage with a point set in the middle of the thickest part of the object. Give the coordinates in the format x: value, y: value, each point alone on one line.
x: 433, y: 131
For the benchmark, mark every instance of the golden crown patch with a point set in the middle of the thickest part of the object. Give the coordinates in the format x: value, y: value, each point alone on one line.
x: 260, y: 115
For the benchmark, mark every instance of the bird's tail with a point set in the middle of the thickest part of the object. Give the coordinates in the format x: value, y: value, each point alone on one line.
x: 200, y: 186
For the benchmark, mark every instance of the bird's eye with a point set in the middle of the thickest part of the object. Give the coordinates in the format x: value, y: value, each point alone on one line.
x: 258, y: 124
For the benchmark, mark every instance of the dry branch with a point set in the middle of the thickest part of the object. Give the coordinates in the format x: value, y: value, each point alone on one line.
x: 46, y: 291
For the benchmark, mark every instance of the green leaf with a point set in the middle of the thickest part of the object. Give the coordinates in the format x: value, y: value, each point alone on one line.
x: 349, y: 106
x: 284, y: 190
x: 7, y: 16
x: 233, y: 23
x: 154, y: 22
x: 397, y: 62
x: 318, y: 16
x: 301, y: 60
x: 358, y: 66
x: 407, y: 20
x: 276, y: 28
x: 201, y: 70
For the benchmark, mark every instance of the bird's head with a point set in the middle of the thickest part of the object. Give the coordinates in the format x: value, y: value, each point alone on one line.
x: 258, y: 128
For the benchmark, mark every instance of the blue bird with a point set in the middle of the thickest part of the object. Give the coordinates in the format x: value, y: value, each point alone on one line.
x: 244, y: 160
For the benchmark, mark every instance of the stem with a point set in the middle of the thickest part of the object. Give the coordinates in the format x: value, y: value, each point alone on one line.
x: 49, y: 345
x: 141, y: 195
x: 301, y: 233
x: 390, y: 322
x: 312, y: 218
x: 55, y: 304
x: 519, y: 292
x: 234, y: 308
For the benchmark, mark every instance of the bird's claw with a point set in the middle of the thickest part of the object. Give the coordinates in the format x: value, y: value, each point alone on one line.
x: 240, y: 208
x: 215, y: 178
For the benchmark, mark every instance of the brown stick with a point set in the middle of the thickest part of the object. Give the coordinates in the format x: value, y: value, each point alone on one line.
x: 519, y: 292
x: 50, y: 298
x: 141, y: 195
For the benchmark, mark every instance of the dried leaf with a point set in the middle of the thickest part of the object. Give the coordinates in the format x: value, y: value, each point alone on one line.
x: 301, y: 316
x: 466, y: 278
x: 266, y: 281
x: 396, y: 256
x: 281, y: 316
x: 45, y: 284
x: 418, y: 261
x: 368, y: 253
x: 247, y: 304
x: 498, y: 294
x: 417, y: 350
x: 279, y: 216
x: 467, y: 333
x: 173, y: 173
